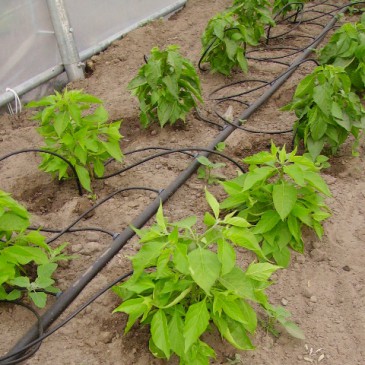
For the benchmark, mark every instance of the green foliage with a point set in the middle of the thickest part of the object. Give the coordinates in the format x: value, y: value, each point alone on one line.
x: 346, y: 48
x: 280, y: 194
x: 167, y: 87
x: 327, y: 110
x: 228, y: 33
x: 71, y: 128
x: 286, y: 6
x: 206, y: 171
x: 21, y: 252
x: 181, y: 288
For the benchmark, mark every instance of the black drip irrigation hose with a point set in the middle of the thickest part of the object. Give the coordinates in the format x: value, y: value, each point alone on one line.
x: 121, y: 240
x: 66, y: 229
x: 79, y: 188
x: 203, y: 119
x: 42, y: 336
x: 71, y: 230
x: 169, y: 152
x: 31, y: 350
x: 263, y: 82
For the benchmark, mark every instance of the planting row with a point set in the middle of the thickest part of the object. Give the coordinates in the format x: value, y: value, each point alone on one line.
x: 185, y: 280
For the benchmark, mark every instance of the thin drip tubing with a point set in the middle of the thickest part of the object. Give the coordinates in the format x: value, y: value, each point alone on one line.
x: 64, y: 230
x: 32, y: 348
x: 264, y: 82
x: 203, y: 119
x: 72, y: 230
x: 42, y: 336
x: 164, y: 153
x: 79, y: 188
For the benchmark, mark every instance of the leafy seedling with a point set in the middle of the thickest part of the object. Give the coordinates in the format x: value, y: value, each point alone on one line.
x: 167, y: 87
x: 228, y: 33
x: 283, y: 7
x: 21, y: 252
x: 281, y: 193
x: 346, y: 48
x: 327, y: 111
x: 206, y: 171
x: 180, y: 288
x: 72, y: 128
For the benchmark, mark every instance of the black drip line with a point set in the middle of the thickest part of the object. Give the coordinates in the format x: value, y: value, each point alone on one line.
x: 30, y: 349
x: 168, y: 152
x: 67, y: 229
x: 232, y: 99
x: 79, y: 188
x: 72, y: 230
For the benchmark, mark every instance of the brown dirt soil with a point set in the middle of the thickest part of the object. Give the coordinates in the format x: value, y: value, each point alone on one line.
x: 324, y: 289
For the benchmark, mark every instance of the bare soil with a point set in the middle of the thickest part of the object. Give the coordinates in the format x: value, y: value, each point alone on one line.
x: 324, y: 289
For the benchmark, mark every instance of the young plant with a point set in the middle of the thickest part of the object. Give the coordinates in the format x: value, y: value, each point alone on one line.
x: 346, y: 48
x: 281, y: 193
x: 72, y: 128
x: 227, y: 35
x: 327, y: 110
x: 21, y: 252
x: 167, y: 87
x: 206, y: 171
x: 180, y: 288
x: 284, y: 7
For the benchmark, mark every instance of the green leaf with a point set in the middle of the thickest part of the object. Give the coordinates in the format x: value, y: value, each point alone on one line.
x: 21, y: 281
x: 186, y: 222
x: 204, y: 267
x: 261, y: 271
x: 239, y: 283
x: 176, y: 328
x: 314, y: 147
x: 284, y: 198
x: 322, y: 97
x: 83, y: 176
x: 233, y: 332
x: 163, y: 111
x: 213, y: 203
x: 61, y: 122
x: 38, y: 298
x: 244, y: 238
x: 226, y: 256
x: 25, y: 254
x: 236, y: 221
x: 196, y: 322
x: 257, y: 175
x: 293, y: 330
x: 113, y: 149
x: 317, y: 182
x: 13, y: 222
x: 160, y: 332
x: 296, y: 173
x: 160, y: 219
x: 147, y: 256
x: 260, y: 158
x: 267, y: 222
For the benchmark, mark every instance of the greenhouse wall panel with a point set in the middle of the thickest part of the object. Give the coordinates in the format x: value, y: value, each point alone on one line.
x: 28, y: 42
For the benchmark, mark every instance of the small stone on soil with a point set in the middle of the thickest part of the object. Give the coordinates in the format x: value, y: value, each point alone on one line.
x: 313, y: 299
x: 284, y: 302
x: 346, y: 268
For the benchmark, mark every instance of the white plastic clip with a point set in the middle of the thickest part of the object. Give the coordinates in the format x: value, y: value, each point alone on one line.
x: 18, y: 103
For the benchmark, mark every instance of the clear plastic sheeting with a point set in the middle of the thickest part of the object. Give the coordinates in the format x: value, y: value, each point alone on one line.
x: 28, y: 44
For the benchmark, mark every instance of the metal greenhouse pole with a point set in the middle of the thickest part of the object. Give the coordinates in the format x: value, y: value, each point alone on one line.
x: 65, y: 40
